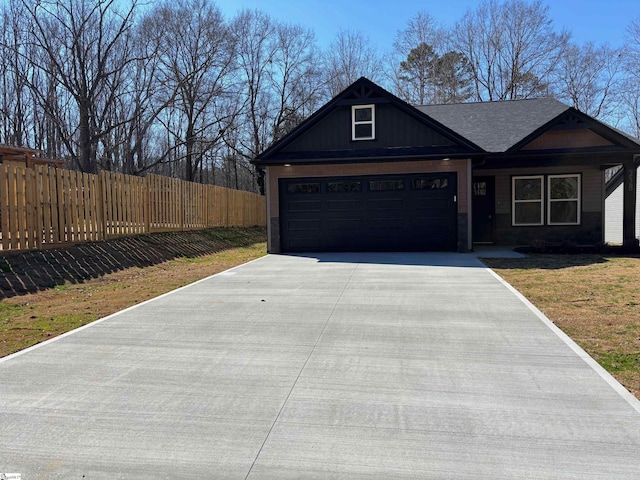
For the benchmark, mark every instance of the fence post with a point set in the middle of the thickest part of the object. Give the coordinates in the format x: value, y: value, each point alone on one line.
x: 181, y: 188
x: 146, y: 213
x: 102, y: 206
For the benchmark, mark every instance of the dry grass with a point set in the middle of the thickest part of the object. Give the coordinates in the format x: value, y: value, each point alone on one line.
x: 44, y: 312
x: 594, y: 299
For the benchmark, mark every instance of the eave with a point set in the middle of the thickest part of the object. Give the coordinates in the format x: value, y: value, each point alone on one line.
x: 597, y: 156
x: 369, y: 155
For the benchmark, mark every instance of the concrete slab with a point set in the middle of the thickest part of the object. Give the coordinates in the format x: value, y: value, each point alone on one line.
x: 372, y: 365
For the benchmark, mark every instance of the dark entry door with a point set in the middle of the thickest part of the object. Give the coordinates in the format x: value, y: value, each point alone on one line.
x: 484, y: 209
x: 375, y: 213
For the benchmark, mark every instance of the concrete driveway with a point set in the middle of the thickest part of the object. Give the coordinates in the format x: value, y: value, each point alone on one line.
x: 330, y: 366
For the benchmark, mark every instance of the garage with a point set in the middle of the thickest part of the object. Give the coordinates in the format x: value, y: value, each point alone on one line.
x: 415, y: 212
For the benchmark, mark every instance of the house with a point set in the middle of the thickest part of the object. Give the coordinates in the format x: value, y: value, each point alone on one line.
x: 25, y: 157
x: 368, y: 171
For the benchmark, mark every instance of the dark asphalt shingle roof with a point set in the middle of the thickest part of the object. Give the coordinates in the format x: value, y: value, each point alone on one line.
x: 496, y: 126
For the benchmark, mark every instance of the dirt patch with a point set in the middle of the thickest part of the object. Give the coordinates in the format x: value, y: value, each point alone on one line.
x: 594, y: 299
x: 46, y: 293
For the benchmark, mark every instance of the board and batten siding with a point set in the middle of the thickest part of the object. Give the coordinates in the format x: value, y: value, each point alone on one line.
x: 393, y: 128
x: 590, y: 229
x: 613, y: 210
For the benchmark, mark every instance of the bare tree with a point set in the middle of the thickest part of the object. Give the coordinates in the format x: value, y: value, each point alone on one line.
x: 295, y: 78
x: 589, y: 78
x: 349, y: 57
x: 85, y: 51
x: 195, y: 54
x: 512, y: 48
x: 421, y: 28
x: 630, y: 89
x: 278, y: 85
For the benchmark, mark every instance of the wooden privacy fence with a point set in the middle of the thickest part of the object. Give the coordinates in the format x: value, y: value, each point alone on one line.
x: 45, y: 207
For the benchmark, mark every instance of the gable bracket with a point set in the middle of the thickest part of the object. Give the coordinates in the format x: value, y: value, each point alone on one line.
x: 368, y: 101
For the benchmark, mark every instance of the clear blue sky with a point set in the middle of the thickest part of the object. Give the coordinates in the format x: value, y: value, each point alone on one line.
x: 599, y: 21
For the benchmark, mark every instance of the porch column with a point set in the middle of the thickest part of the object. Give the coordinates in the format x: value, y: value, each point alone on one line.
x: 629, y: 203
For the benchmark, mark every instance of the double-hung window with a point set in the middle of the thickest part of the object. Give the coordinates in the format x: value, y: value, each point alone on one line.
x: 559, y: 194
x: 563, y: 207
x: 527, y: 200
x: 363, y: 122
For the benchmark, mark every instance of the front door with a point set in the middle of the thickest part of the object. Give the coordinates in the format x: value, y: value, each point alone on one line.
x: 484, y: 205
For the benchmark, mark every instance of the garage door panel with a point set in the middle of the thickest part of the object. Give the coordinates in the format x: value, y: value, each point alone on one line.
x: 391, y: 223
x: 347, y: 224
x: 304, y: 206
x: 304, y: 225
x: 430, y: 204
x: 392, y: 212
x: 307, y: 244
x: 344, y: 205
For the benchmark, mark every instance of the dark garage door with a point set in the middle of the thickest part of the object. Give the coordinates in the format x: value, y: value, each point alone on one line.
x: 374, y: 213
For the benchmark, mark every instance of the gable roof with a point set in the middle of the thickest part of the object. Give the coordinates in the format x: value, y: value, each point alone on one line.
x: 362, y: 91
x: 496, y: 126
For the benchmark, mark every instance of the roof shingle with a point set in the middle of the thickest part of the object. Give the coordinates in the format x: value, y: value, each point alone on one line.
x: 496, y: 126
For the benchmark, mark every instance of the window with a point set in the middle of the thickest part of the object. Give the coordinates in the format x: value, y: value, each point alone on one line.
x: 480, y: 189
x: 346, y: 186
x: 303, y: 188
x: 382, y: 185
x: 527, y: 200
x: 363, y: 125
x: 429, y: 183
x: 563, y: 206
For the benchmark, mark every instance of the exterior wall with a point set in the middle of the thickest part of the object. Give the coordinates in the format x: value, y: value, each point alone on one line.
x: 613, y: 213
x: 589, y: 231
x: 461, y: 167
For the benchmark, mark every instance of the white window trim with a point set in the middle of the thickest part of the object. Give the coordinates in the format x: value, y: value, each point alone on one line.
x: 578, y: 200
x: 514, y: 201
x: 371, y: 122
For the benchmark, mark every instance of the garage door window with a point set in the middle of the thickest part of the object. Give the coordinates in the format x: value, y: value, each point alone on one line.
x: 303, y: 188
x: 339, y: 187
x: 429, y: 183
x: 383, y: 185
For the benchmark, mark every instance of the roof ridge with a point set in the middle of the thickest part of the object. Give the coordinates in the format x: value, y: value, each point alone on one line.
x: 486, y: 102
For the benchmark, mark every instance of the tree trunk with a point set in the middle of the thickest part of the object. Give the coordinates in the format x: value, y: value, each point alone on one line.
x: 84, y: 140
